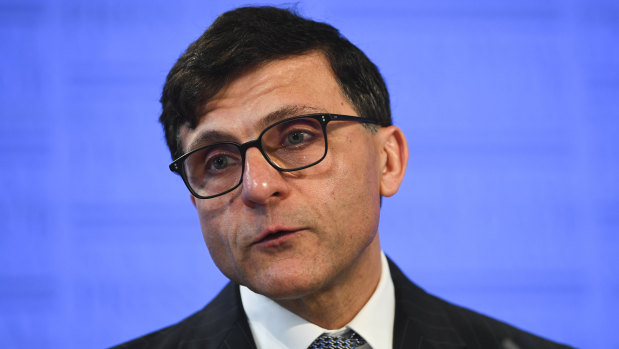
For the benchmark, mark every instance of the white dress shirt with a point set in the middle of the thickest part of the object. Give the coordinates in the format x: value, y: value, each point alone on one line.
x: 274, y: 327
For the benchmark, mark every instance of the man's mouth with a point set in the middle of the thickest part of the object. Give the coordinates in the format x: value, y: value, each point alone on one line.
x: 274, y: 236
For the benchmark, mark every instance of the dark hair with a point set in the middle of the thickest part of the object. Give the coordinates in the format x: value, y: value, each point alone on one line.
x: 246, y: 37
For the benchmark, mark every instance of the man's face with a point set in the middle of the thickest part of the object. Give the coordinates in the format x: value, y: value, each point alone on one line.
x: 291, y: 234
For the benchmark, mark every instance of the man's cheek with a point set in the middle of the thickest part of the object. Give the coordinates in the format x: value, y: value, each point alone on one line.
x: 218, y: 249
x: 213, y: 240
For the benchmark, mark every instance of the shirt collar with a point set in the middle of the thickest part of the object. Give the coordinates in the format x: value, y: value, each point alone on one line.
x: 273, y: 326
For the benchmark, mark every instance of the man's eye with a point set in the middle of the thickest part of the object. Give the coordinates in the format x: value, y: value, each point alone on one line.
x: 297, y: 138
x: 220, y: 162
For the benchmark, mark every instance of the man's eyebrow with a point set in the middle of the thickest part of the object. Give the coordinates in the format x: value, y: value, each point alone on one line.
x: 210, y: 137
x: 285, y: 112
x: 215, y: 136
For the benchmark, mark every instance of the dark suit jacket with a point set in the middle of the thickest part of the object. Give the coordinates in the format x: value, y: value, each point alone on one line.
x: 421, y: 321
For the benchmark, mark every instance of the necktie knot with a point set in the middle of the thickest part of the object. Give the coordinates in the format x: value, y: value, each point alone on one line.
x: 349, y: 340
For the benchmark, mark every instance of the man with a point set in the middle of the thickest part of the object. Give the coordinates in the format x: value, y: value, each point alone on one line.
x: 281, y: 130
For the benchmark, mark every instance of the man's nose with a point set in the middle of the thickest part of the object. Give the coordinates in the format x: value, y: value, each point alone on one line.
x: 261, y: 181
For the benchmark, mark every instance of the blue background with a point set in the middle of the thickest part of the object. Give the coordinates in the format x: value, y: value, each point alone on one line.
x: 510, y: 204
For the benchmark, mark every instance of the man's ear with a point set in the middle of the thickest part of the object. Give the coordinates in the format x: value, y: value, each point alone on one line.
x: 394, y: 157
x: 193, y: 200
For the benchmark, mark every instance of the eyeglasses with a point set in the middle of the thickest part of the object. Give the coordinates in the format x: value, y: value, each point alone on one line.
x: 288, y: 145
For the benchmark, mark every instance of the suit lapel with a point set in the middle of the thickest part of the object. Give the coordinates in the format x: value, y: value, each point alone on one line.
x: 239, y: 335
x: 222, y: 324
x: 405, y: 333
x: 419, y: 321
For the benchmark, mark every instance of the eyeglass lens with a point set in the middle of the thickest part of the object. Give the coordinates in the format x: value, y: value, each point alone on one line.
x: 288, y: 145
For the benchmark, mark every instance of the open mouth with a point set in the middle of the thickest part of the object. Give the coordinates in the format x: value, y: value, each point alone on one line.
x: 277, y: 235
x: 274, y: 236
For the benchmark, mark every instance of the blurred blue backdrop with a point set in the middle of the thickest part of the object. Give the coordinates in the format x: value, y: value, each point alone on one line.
x: 510, y: 204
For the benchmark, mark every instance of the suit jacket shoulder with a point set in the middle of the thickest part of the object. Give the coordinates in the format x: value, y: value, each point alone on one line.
x: 221, y: 324
x: 425, y: 321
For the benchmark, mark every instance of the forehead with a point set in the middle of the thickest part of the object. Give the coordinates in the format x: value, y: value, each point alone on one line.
x: 282, y: 88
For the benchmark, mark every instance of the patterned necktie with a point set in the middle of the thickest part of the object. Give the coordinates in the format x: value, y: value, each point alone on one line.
x: 349, y: 340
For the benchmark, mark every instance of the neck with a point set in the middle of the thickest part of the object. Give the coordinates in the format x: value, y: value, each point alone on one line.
x: 336, y: 304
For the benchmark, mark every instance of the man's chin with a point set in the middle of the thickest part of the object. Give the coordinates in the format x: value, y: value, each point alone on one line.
x: 282, y: 289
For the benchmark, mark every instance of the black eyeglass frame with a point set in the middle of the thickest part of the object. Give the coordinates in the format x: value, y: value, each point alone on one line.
x: 177, y: 166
